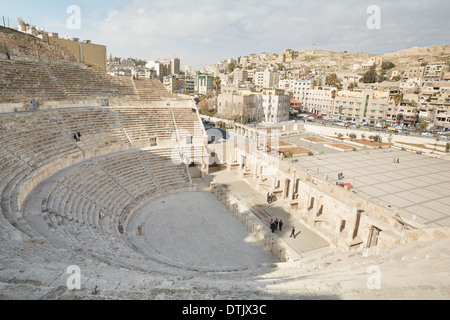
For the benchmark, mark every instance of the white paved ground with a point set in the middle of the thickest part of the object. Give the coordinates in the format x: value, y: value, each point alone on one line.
x: 419, y: 186
x: 305, y: 240
x: 195, y: 230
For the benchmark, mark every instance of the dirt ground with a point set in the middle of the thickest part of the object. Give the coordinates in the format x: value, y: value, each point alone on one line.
x: 342, y: 146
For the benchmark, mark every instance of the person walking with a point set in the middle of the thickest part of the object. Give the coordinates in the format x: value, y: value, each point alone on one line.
x: 268, y: 197
x: 292, y: 233
x: 280, y: 225
x: 276, y: 224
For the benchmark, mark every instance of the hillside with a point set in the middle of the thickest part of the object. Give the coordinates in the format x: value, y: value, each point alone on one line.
x: 342, y: 63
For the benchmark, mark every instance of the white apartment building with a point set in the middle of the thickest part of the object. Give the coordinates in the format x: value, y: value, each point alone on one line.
x: 273, y: 108
x: 411, y: 84
x: 319, y: 101
x: 162, y: 68
x: 269, y: 106
x: 298, y: 88
x: 360, y: 106
x: 266, y: 79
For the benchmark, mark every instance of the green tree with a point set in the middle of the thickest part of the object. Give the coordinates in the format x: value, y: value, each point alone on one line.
x: 352, y: 86
x: 386, y: 65
x: 423, y: 126
x: 217, y: 84
x: 398, y: 98
x: 333, y: 80
x: 370, y: 76
x: 231, y: 67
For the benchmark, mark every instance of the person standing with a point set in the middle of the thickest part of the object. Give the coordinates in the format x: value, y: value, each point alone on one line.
x: 272, y: 227
x: 276, y: 224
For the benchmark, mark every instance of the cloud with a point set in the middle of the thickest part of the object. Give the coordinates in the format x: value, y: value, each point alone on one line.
x: 227, y: 29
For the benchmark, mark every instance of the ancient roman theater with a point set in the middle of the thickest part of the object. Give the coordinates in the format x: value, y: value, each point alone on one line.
x: 113, y: 180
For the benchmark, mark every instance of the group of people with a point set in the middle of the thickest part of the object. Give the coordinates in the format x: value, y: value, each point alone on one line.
x: 270, y: 198
x: 276, y: 225
x: 77, y: 137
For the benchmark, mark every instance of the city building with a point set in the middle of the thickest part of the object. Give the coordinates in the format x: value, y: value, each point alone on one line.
x: 203, y: 83
x: 435, y: 71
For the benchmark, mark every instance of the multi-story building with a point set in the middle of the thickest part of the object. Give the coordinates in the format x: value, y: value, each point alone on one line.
x: 233, y: 103
x: 273, y: 108
x: 270, y: 106
x: 174, y: 84
x: 407, y: 113
x: 175, y: 66
x: 189, y: 85
x: 414, y: 73
x: 203, y: 83
x: 239, y: 76
x: 435, y: 71
x: 366, y: 105
x: 319, y: 101
x: 162, y: 68
x: 410, y: 85
x: 266, y: 79
x: 440, y: 104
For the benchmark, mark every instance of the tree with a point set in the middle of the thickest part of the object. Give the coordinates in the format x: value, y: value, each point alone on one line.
x: 217, y: 84
x: 423, y: 126
x: 386, y: 65
x: 333, y: 80
x: 352, y: 86
x: 381, y: 75
x: 231, y: 67
x: 370, y: 76
x: 398, y: 98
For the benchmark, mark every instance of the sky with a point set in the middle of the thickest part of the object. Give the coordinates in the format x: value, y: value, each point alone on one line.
x: 202, y: 32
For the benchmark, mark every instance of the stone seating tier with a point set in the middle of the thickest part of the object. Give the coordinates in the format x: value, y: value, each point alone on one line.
x: 23, y: 79
x: 106, y: 188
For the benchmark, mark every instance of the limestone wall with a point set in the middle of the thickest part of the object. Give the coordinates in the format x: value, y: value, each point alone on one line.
x: 88, y: 53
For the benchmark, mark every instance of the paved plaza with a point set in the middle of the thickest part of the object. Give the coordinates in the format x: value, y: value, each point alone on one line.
x: 194, y: 230
x: 419, y: 186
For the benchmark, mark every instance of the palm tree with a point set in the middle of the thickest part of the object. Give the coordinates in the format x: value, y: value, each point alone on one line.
x: 217, y: 84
